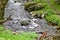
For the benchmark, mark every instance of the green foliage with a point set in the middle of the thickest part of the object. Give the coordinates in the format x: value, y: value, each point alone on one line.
x: 50, y: 12
x: 46, y: 11
x: 7, y: 35
x: 36, y: 0
x: 39, y: 1
x: 2, y: 28
x: 54, y: 4
x: 38, y: 12
x: 59, y: 22
x: 53, y: 19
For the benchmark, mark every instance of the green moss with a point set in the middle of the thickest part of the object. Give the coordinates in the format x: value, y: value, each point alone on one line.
x: 37, y: 6
x: 2, y: 8
x: 37, y: 12
x: 28, y: 4
x: 53, y: 19
x: 2, y: 28
x: 7, y: 35
x: 54, y: 4
x: 39, y: 1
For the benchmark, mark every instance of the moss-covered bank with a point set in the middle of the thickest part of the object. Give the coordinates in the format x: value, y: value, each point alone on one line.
x: 2, y: 7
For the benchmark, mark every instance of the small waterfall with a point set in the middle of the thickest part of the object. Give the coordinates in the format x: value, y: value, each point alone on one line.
x: 21, y: 20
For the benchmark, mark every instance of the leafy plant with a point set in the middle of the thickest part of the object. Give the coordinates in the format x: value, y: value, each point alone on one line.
x: 53, y: 19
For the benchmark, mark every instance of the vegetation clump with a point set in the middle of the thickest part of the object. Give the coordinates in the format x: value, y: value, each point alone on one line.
x: 53, y: 18
x: 7, y: 35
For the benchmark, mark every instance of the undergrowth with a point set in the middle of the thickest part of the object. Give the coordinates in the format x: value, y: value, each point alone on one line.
x: 8, y: 35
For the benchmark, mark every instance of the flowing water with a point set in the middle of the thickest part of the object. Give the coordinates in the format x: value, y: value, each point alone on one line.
x: 21, y: 20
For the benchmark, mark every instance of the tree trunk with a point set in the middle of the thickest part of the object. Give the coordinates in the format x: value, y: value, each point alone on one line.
x: 2, y: 8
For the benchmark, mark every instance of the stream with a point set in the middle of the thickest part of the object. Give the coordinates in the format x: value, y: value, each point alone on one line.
x: 21, y: 20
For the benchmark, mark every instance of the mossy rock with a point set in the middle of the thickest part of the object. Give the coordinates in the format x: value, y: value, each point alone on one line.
x: 24, y: 23
x: 2, y: 21
x: 2, y: 8
x: 38, y: 14
x: 28, y: 4
x: 34, y: 7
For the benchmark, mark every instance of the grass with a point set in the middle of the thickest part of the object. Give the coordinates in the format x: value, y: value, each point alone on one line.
x: 23, y: 36
x: 7, y: 35
x: 1, y: 27
x: 55, y: 5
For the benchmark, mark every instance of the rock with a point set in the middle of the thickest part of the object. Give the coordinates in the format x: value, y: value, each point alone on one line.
x: 20, y: 19
x: 41, y: 16
x: 24, y: 23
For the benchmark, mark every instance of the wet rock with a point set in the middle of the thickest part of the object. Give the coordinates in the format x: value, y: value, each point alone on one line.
x: 24, y: 23
x: 41, y: 16
x: 37, y: 16
x: 45, y: 26
x: 21, y: 19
